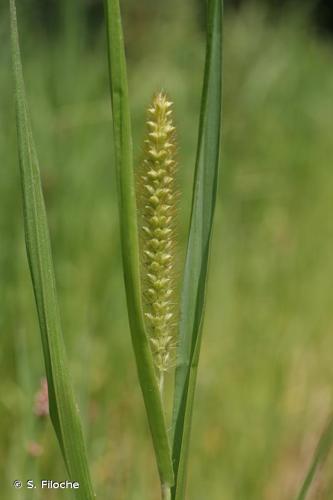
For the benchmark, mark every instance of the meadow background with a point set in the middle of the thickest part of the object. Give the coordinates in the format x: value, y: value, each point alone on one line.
x: 266, y: 374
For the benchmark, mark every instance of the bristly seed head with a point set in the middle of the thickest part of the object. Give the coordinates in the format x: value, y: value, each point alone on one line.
x: 156, y: 211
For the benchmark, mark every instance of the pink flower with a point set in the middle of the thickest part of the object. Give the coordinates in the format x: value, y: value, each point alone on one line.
x: 41, y: 407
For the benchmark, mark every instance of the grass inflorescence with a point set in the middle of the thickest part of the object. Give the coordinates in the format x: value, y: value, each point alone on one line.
x: 157, y: 198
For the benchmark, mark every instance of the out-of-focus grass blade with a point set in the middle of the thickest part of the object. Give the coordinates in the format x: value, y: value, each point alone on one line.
x: 63, y: 409
x: 195, y: 275
x: 129, y: 239
x: 323, y: 448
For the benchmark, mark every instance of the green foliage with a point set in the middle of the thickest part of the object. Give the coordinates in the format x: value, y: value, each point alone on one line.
x: 265, y: 374
x: 320, y: 455
x: 129, y: 240
x: 198, y: 249
x: 203, y: 205
x: 63, y: 408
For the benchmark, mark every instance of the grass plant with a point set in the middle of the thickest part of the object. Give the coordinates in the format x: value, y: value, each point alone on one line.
x: 266, y: 372
x: 203, y: 204
x: 209, y: 132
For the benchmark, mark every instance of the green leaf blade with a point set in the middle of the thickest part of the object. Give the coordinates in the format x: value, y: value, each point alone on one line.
x: 197, y: 257
x: 63, y: 409
x: 319, y: 457
x: 130, y: 243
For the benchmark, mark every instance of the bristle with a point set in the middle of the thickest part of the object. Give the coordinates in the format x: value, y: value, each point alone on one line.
x: 157, y: 207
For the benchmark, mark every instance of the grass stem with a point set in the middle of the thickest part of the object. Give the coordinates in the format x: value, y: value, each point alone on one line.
x: 161, y: 383
x: 166, y: 492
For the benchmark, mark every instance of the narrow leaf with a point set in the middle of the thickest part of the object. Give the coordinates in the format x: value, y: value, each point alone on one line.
x: 196, y: 265
x: 129, y: 240
x: 63, y: 409
x: 320, y: 455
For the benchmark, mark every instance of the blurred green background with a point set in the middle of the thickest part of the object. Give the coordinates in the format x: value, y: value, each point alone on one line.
x: 266, y: 374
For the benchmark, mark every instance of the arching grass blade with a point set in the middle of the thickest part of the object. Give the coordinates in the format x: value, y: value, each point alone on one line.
x: 63, y: 408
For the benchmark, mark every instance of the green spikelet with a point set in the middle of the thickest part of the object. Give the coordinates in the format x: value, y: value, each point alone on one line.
x: 157, y: 206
